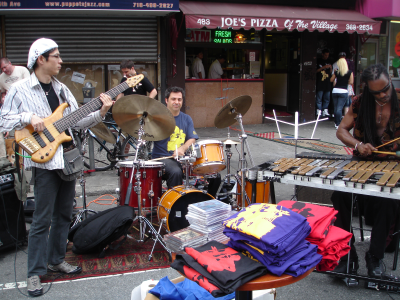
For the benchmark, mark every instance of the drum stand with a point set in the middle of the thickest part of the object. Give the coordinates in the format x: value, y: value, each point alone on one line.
x: 143, y: 222
x: 187, y: 160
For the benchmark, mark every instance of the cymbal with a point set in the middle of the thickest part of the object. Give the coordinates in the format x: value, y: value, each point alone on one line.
x: 231, y: 142
x: 226, y: 116
x: 102, y: 132
x: 159, y: 123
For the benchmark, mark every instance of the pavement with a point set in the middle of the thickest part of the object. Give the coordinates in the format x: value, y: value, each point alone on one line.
x: 100, y: 190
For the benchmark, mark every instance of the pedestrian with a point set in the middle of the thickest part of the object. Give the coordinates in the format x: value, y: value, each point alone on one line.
x: 344, y: 78
x: 323, y: 86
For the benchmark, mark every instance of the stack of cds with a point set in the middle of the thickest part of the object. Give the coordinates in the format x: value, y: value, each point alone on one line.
x: 207, y: 217
x: 186, y: 237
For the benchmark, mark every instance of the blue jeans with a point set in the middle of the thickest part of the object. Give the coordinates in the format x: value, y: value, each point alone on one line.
x: 339, y: 100
x: 54, y: 200
x: 322, y: 99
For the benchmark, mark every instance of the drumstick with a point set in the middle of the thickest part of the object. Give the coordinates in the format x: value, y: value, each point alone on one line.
x: 160, y: 158
x: 388, y: 143
x: 397, y: 153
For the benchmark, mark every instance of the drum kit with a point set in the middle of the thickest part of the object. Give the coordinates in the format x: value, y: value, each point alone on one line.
x: 140, y: 182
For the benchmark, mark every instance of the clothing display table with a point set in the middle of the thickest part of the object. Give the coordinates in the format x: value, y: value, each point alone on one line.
x: 267, y: 281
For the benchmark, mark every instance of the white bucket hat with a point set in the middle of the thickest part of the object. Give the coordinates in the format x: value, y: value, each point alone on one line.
x: 39, y: 47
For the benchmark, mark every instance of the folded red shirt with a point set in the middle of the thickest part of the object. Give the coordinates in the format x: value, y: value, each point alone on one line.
x: 320, y: 218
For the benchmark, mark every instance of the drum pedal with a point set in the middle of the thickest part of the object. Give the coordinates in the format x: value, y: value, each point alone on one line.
x: 350, y: 281
x: 384, y: 286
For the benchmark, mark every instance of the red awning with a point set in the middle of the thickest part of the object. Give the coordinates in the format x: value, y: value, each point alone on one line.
x: 226, y: 15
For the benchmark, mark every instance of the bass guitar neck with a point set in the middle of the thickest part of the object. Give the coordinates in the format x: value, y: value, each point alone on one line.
x: 42, y: 146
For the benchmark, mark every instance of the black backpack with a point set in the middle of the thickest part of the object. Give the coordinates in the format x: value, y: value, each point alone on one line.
x: 98, y: 231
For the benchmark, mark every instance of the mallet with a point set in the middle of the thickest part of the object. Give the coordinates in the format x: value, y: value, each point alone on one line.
x: 397, y: 153
x: 388, y: 143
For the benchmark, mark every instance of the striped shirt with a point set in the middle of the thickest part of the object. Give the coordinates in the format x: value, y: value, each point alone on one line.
x: 27, y: 98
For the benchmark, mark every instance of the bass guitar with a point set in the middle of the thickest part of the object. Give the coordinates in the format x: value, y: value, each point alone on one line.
x: 42, y: 146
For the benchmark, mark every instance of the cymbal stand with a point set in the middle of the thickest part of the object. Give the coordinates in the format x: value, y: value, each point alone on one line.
x: 143, y: 222
x: 82, y: 214
x: 243, y: 139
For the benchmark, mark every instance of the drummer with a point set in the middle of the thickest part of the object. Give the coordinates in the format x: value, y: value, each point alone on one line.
x: 178, y: 143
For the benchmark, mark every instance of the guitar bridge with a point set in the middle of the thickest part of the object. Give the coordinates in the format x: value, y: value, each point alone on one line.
x: 29, y: 146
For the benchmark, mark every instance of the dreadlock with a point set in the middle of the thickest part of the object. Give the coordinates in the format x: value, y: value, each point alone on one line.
x: 366, y: 116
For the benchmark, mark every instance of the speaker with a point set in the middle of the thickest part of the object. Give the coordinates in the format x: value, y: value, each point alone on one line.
x: 12, y: 219
x: 314, y: 195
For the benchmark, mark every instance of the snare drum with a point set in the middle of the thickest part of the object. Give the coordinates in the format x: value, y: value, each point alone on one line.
x: 150, y: 182
x: 210, y: 159
x: 174, y: 206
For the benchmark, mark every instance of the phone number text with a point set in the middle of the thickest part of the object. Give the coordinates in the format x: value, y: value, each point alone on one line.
x: 153, y: 5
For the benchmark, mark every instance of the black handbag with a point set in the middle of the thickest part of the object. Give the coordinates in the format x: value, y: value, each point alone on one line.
x: 73, y: 165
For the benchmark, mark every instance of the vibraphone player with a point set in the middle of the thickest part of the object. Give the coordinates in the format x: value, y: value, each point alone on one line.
x: 375, y: 119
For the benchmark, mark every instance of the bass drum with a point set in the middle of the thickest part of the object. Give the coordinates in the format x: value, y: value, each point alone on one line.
x: 174, y: 206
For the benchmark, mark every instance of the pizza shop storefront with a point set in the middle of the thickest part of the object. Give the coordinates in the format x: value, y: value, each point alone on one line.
x: 271, y: 54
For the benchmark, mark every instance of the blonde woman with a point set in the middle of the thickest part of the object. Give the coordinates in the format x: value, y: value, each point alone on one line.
x: 343, y: 77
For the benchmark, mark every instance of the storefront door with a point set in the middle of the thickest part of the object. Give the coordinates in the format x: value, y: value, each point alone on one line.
x: 282, y: 79
x: 368, y: 56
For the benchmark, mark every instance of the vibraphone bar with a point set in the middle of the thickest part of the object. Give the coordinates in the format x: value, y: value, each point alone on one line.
x: 375, y: 178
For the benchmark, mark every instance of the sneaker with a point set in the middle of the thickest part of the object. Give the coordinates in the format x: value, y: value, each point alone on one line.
x: 336, y: 126
x: 34, y: 286
x: 65, y: 267
x: 342, y: 267
x: 375, y: 266
x: 318, y: 112
x: 325, y: 113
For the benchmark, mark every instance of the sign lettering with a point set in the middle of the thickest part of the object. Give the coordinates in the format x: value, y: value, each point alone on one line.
x: 258, y: 23
x: 201, y: 36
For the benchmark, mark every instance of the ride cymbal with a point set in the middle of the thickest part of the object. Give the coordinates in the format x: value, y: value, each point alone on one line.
x: 231, y: 142
x: 158, y: 122
x: 102, y: 132
x: 226, y: 116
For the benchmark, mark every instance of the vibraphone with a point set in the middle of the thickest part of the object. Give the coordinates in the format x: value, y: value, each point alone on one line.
x: 375, y: 178
x: 341, y: 173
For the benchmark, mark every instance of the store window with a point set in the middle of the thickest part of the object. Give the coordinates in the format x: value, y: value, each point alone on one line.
x: 101, y: 77
x: 76, y: 76
x: 240, y: 48
x: 394, y: 49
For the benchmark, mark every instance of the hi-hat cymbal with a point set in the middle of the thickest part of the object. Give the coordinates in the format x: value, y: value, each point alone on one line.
x: 159, y: 123
x: 226, y: 116
x: 102, y: 132
x: 231, y: 142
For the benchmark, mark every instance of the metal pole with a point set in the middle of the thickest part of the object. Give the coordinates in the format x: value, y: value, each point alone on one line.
x: 91, y: 153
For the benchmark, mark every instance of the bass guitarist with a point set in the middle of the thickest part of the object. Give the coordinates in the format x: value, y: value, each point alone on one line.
x: 28, y: 102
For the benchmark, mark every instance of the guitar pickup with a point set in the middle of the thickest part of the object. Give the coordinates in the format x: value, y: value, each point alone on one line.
x: 29, y: 146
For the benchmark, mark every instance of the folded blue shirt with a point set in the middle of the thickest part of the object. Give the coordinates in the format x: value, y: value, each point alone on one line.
x: 300, y: 259
x: 184, y: 290
x: 269, y: 227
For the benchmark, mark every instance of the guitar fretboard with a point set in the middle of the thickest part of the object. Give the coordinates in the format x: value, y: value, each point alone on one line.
x: 93, y: 105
